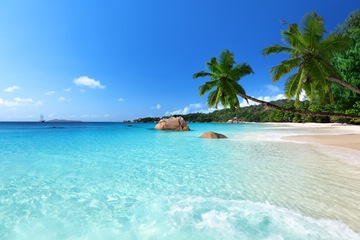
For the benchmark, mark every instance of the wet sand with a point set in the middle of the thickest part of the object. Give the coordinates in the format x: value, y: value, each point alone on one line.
x: 341, y: 143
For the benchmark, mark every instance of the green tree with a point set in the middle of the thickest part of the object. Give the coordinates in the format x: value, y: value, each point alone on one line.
x: 224, y: 77
x: 310, y: 55
x: 355, y: 110
x: 348, y: 63
x: 224, y: 86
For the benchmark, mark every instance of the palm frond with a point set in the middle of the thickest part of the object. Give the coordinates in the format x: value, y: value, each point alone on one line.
x: 226, y: 60
x: 316, y: 72
x: 329, y: 68
x: 333, y: 44
x: 207, y: 86
x: 313, y: 29
x: 211, y: 101
x: 229, y: 88
x: 320, y: 86
x: 291, y: 85
x: 224, y: 78
x: 240, y: 90
x: 212, y: 65
x: 201, y: 74
x: 284, y: 68
x: 240, y: 70
x: 277, y: 48
x: 293, y: 37
x: 224, y: 102
x: 233, y: 103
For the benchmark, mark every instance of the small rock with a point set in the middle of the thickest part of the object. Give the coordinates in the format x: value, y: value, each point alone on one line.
x: 212, y: 135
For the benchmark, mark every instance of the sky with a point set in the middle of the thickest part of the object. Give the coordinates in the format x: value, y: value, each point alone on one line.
x: 126, y: 59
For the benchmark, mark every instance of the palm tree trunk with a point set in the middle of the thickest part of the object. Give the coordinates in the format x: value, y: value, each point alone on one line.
x: 317, y: 114
x: 344, y: 84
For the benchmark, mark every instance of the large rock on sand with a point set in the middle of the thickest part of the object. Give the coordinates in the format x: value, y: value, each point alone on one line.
x: 172, y: 123
x: 212, y: 135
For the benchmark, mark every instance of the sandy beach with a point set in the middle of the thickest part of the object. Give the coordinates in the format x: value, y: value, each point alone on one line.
x: 339, y: 140
x: 339, y: 135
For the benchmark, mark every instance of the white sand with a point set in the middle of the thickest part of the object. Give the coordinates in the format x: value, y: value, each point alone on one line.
x: 340, y: 135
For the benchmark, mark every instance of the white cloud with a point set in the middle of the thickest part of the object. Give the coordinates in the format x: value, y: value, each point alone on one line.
x: 61, y: 99
x: 19, y: 102
x: 6, y: 103
x: 191, y: 108
x: 120, y: 99
x: 88, y: 82
x: 11, y: 89
x: 272, y: 98
x: 50, y: 93
x: 157, y: 106
x: 195, y: 106
x: 67, y: 89
x: 272, y: 89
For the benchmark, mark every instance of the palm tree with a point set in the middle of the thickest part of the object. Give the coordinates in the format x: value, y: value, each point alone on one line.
x: 224, y: 86
x: 224, y: 77
x: 310, y: 59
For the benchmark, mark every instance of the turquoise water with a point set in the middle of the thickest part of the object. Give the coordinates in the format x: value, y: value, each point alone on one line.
x: 112, y: 181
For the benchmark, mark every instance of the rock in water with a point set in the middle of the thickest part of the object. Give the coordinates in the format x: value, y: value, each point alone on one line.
x: 212, y: 135
x: 172, y: 123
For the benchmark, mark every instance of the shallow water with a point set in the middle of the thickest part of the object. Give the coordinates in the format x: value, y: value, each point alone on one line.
x: 112, y: 181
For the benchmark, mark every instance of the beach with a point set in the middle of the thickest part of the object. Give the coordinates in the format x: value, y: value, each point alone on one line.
x: 339, y: 140
x: 331, y: 134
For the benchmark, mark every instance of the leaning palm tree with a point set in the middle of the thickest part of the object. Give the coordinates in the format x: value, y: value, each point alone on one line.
x: 224, y: 77
x: 224, y: 87
x: 310, y: 56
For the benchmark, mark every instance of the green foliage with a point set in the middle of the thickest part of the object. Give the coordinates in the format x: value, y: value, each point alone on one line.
x: 257, y: 113
x: 348, y: 63
x: 310, y: 56
x: 223, y: 85
x: 354, y: 110
x: 312, y: 60
x: 148, y: 119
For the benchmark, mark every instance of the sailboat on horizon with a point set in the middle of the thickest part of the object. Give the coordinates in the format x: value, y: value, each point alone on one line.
x: 42, y: 118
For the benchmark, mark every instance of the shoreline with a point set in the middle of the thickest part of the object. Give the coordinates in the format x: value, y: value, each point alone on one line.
x: 328, y: 134
x: 340, y: 143
x: 351, y: 141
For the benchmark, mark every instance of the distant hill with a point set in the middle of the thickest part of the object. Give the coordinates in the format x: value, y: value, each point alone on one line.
x: 63, y: 120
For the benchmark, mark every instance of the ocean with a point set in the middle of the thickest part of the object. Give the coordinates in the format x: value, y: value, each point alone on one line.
x: 115, y: 181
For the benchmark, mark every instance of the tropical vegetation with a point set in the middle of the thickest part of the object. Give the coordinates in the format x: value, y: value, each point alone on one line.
x: 327, y: 69
x: 311, y: 57
x: 254, y: 113
x: 223, y: 82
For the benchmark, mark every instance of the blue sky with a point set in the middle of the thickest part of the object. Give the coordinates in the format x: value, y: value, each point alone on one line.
x: 125, y: 59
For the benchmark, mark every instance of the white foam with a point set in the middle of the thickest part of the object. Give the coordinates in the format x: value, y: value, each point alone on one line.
x: 254, y: 220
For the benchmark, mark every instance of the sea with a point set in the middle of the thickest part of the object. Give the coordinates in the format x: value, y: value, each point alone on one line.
x: 129, y: 181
